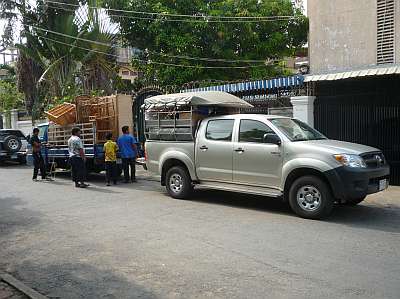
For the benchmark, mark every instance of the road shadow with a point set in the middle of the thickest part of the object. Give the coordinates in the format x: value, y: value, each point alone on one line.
x: 365, y: 215
x: 98, y: 184
x: 13, y: 165
x: 78, y: 281
x: 14, y: 217
x: 368, y: 216
x: 15, y: 220
x: 140, y: 185
x: 239, y: 200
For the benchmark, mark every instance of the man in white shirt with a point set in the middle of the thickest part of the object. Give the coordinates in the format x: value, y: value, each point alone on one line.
x: 77, y: 158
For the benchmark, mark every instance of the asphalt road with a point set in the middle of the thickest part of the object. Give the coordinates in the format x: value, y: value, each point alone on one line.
x: 133, y: 241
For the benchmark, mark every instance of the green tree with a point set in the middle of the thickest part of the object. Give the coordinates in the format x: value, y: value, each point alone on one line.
x: 9, y: 14
x: 56, y: 63
x: 160, y: 38
x: 10, y: 98
x: 10, y: 76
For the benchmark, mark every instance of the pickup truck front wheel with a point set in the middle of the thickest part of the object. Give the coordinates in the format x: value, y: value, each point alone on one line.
x: 178, y: 183
x: 310, y: 197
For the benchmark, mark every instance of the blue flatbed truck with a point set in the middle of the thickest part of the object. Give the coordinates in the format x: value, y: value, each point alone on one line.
x: 95, y: 117
x: 54, y: 141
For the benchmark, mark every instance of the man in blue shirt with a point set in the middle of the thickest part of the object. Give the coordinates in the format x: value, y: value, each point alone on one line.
x: 128, y: 151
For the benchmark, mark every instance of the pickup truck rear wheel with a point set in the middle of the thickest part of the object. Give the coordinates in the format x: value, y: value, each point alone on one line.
x: 178, y: 183
x: 310, y: 197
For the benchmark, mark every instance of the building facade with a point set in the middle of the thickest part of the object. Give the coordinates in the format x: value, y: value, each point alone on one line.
x: 9, y: 55
x: 350, y: 35
x: 354, y: 81
x: 126, y: 71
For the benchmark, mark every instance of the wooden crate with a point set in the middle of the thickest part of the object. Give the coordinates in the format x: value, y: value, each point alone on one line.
x: 63, y: 114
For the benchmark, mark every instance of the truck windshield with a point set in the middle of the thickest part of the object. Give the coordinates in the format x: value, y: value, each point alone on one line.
x: 42, y: 131
x: 296, y: 130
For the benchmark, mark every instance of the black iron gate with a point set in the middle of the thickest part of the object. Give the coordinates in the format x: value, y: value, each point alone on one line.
x: 138, y: 115
x: 365, y: 111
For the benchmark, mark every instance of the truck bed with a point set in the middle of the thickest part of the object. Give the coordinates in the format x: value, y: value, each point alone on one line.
x: 155, y: 149
x: 58, y: 135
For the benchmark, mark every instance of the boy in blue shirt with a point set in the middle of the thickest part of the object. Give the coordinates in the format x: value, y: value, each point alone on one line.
x: 128, y: 151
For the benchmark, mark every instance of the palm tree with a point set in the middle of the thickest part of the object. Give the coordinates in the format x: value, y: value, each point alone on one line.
x: 61, y: 46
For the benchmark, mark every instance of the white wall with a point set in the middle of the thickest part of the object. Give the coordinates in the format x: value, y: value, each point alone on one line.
x: 24, y: 125
x: 303, y: 109
x: 343, y: 34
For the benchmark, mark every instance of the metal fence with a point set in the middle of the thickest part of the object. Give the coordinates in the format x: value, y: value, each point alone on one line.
x: 365, y: 111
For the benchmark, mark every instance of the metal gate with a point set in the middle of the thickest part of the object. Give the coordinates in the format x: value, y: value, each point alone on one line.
x: 138, y: 116
x: 365, y: 111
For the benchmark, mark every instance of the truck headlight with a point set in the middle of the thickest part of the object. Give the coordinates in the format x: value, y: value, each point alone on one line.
x: 350, y: 160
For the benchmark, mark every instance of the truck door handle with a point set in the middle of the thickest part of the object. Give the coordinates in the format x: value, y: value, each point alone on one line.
x: 276, y: 153
x: 204, y: 148
x: 239, y: 150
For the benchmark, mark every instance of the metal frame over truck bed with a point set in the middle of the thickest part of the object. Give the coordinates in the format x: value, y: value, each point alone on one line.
x: 175, y: 117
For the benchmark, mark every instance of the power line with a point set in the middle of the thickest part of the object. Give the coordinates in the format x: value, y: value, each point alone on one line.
x: 154, y: 62
x: 173, y: 20
x: 195, y: 18
x: 212, y: 59
x: 172, y: 15
x: 155, y: 53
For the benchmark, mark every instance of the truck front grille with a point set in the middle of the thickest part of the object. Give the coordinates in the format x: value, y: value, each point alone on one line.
x: 374, y: 160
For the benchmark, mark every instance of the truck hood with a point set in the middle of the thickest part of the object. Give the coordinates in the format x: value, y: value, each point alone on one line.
x: 340, y: 147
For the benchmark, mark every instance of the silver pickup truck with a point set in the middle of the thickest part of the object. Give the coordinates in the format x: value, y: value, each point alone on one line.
x: 262, y: 154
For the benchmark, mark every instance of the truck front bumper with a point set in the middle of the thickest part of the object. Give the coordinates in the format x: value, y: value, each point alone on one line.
x: 12, y: 156
x: 354, y: 183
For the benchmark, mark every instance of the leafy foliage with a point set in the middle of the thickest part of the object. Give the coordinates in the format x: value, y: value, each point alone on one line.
x: 8, y: 13
x: 159, y: 39
x: 57, y: 67
x: 10, y: 98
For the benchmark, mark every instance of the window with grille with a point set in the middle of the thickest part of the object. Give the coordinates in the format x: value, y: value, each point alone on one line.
x: 386, y: 34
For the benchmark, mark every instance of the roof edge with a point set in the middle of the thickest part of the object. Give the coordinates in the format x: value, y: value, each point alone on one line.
x: 380, y: 70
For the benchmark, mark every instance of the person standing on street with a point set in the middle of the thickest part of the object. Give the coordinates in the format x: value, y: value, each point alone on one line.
x: 77, y: 158
x: 38, y: 161
x: 128, y: 150
x: 110, y: 157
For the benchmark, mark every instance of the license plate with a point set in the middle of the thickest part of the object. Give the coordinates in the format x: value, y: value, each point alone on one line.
x: 119, y: 161
x: 383, y: 184
x: 15, y: 156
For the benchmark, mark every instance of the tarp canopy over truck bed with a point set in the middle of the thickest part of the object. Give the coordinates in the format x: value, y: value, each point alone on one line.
x: 205, y: 98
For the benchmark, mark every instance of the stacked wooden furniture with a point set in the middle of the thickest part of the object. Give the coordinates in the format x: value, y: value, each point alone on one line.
x: 101, y: 112
x: 96, y: 116
x: 109, y: 114
x: 63, y: 114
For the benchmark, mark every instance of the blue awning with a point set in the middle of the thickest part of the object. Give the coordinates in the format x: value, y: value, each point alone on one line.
x: 276, y: 83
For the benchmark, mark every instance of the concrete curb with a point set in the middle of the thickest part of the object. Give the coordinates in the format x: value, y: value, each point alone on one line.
x: 21, y: 286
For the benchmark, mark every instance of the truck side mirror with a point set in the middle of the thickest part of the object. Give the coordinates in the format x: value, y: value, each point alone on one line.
x: 272, y: 138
